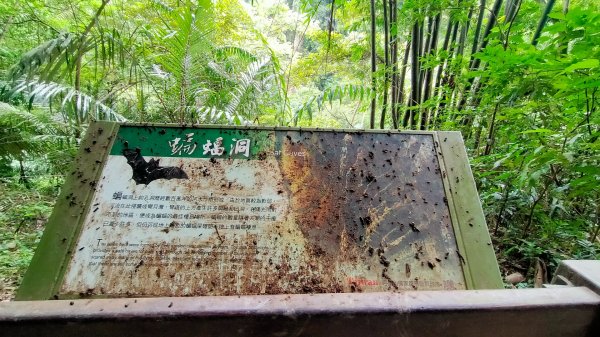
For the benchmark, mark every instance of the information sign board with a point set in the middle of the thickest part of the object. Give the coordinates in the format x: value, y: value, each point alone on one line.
x: 189, y: 211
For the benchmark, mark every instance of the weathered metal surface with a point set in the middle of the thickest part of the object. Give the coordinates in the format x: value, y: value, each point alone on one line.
x: 236, y: 211
x: 297, y: 212
x: 580, y: 273
x: 529, y: 313
x: 472, y: 236
x: 56, y: 246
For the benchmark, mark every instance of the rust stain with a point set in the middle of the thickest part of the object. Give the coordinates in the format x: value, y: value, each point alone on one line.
x: 312, y: 199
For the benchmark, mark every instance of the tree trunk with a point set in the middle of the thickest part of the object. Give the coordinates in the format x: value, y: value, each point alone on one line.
x: 488, y: 29
x: 476, y: 39
x: 461, y: 50
x: 407, y: 53
x: 509, y: 9
x: 477, y: 31
x: 463, y: 34
x: 491, y: 132
x: 330, y: 29
x: 542, y: 23
x: 477, y: 139
x: 402, y: 78
x: 386, y: 75
x: 415, y: 75
x: 394, y: 55
x: 373, y: 67
x: 425, y: 49
x: 440, y: 68
x: 564, y: 45
x: 512, y: 16
x: 429, y: 71
x: 597, y: 230
x: 447, y: 79
x: 476, y: 62
x: 22, y: 175
x: 525, y: 232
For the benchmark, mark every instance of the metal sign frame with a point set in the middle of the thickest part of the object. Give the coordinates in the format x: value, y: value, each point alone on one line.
x: 59, y: 241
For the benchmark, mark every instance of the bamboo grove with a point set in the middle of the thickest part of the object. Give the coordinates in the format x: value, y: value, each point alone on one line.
x: 443, y: 40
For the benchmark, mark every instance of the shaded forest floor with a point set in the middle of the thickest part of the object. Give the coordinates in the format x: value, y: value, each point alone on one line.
x: 23, y: 215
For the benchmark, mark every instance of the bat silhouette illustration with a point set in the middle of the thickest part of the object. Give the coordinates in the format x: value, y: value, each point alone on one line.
x: 145, y: 172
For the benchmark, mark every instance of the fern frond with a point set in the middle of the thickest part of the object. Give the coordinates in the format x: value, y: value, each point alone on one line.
x: 248, y: 80
x: 23, y: 133
x: 220, y: 71
x: 46, y: 60
x: 186, y: 45
x: 86, y: 105
x: 224, y: 53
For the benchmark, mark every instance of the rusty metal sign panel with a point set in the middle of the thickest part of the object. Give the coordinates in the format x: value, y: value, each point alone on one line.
x: 208, y: 211
x: 166, y: 210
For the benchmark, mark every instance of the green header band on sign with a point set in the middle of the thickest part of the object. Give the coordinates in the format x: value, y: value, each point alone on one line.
x: 195, y: 143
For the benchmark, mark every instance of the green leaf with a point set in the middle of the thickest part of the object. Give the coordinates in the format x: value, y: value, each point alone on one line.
x: 538, y: 131
x: 588, y: 170
x: 557, y: 15
x: 585, y: 64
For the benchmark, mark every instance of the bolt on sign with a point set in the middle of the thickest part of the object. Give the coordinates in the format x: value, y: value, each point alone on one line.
x: 160, y: 210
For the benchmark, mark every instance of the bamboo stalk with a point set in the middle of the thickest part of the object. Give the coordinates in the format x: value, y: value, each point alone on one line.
x: 394, y: 61
x: 542, y: 23
x: 401, y: 93
x: 373, y: 67
x: 475, y: 61
x: 427, y: 86
x: 415, y: 74
x: 386, y: 75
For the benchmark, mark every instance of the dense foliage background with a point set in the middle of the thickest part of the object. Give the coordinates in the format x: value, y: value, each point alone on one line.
x: 519, y: 78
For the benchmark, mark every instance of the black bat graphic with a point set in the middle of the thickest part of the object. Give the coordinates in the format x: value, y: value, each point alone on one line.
x: 146, y: 172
